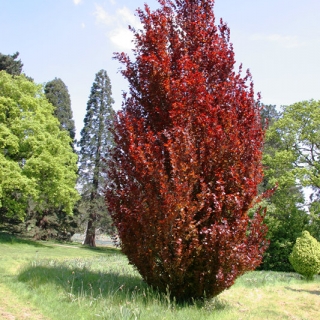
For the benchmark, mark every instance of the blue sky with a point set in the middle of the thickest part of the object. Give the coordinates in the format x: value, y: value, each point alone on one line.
x: 278, y: 40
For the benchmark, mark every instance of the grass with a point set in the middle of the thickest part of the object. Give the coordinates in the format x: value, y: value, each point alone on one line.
x: 46, y: 280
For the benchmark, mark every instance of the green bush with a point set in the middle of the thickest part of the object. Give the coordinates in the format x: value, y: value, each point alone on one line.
x: 305, y: 256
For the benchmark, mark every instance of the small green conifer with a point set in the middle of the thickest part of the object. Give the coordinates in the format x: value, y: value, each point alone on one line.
x: 305, y: 256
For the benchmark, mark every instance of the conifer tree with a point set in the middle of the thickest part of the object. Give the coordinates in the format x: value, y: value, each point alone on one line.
x: 58, y: 95
x: 94, y: 143
x: 10, y: 64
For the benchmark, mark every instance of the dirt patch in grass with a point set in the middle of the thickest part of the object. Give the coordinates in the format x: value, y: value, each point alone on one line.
x: 13, y: 309
x: 23, y: 314
x: 6, y: 315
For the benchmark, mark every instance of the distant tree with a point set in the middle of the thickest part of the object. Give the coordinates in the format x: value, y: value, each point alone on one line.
x: 297, y: 134
x: 269, y: 114
x: 53, y: 222
x: 10, y: 64
x: 58, y: 95
x: 286, y: 217
x: 94, y: 143
x: 187, y: 158
x: 49, y: 223
x: 103, y: 223
x: 37, y: 165
x: 314, y: 214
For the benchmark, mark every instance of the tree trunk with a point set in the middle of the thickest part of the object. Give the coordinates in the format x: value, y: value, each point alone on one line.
x: 90, y: 238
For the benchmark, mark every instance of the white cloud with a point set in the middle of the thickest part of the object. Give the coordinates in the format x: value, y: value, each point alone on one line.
x: 76, y: 2
x: 83, y: 25
x: 127, y: 16
x: 102, y: 16
x: 119, y: 34
x: 122, y: 38
x: 284, y: 41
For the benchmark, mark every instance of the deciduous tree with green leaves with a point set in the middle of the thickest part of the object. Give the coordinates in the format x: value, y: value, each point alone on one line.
x: 286, y: 217
x: 297, y: 156
x: 298, y: 134
x: 37, y: 165
x: 94, y: 144
x: 55, y: 223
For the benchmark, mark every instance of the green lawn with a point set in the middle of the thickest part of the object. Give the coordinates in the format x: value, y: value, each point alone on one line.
x: 47, y: 280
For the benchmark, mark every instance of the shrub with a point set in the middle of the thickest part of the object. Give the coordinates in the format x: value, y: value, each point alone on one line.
x: 305, y: 256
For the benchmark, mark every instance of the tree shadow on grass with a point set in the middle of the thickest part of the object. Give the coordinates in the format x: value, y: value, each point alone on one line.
x: 316, y: 292
x: 77, y: 281
x: 102, y: 249
x: 11, y: 239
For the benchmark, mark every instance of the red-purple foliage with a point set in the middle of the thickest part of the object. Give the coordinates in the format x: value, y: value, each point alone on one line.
x: 187, y: 160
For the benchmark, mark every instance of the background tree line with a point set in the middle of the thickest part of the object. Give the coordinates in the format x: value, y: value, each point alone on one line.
x: 61, y: 193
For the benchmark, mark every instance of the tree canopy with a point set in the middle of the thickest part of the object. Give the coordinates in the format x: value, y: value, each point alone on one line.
x: 37, y: 164
x: 297, y: 133
x: 291, y: 159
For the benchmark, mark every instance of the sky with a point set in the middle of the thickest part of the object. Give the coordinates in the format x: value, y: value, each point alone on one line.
x: 278, y: 40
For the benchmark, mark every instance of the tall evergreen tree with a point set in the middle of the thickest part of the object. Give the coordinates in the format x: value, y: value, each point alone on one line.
x: 94, y: 143
x: 10, y: 64
x: 58, y: 95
